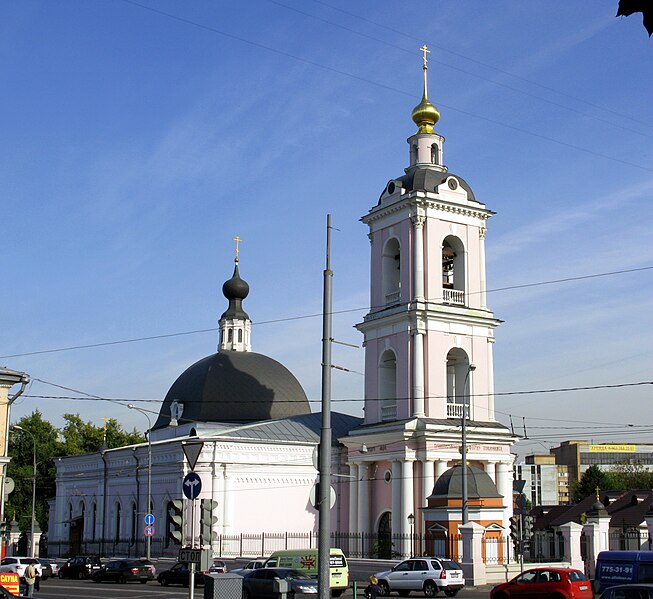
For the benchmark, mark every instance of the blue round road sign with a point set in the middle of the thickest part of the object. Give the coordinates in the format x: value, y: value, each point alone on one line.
x: 192, y: 485
x: 149, y: 519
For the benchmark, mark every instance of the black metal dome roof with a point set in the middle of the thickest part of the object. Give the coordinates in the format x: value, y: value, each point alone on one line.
x: 235, y: 290
x: 450, y: 484
x: 235, y: 386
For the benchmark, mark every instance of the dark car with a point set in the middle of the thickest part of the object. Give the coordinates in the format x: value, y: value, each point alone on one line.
x: 628, y: 591
x: 122, y: 570
x: 546, y: 582
x: 80, y: 567
x: 260, y: 583
x: 179, y: 574
x: 46, y: 569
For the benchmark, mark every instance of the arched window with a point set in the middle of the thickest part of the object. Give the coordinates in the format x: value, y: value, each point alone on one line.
x: 435, y: 154
x: 240, y: 335
x: 391, y: 272
x: 93, y: 520
x: 117, y: 522
x: 132, y: 536
x: 230, y: 336
x: 388, y: 385
x: 453, y: 271
x: 458, y: 384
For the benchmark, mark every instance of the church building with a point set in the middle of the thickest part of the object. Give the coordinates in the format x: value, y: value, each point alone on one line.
x: 428, y: 339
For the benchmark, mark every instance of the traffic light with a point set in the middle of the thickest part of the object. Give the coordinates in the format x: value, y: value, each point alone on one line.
x: 527, y: 532
x: 208, y: 518
x: 175, y: 521
x: 515, y: 533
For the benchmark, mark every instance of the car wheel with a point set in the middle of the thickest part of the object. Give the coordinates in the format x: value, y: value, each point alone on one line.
x: 122, y: 579
x: 385, y: 588
x: 163, y: 582
x: 451, y: 592
x: 245, y: 594
x: 96, y: 579
x: 501, y: 596
x: 404, y: 593
x: 60, y: 574
x: 430, y: 588
x: 80, y: 575
x: 143, y: 581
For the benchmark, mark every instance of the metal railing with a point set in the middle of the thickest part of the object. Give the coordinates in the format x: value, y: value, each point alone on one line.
x: 453, y: 296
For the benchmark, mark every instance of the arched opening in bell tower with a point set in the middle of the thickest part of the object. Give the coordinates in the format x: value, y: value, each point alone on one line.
x: 458, y: 383
x: 388, y: 385
x: 453, y: 271
x: 391, y: 272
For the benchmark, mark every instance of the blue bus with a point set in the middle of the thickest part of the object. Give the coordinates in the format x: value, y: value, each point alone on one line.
x: 622, y: 567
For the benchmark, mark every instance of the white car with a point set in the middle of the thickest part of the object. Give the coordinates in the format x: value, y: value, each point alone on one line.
x: 18, y: 565
x: 426, y: 574
x: 254, y: 564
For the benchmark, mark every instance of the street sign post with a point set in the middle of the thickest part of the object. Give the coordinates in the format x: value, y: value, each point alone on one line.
x: 192, y: 485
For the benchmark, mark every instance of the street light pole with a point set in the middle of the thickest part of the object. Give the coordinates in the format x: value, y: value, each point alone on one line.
x: 463, y: 450
x: 149, y: 472
x: 31, y: 538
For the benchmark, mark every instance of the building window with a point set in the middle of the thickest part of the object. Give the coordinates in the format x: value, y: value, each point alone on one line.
x: 453, y: 271
x: 391, y: 272
x: 388, y: 385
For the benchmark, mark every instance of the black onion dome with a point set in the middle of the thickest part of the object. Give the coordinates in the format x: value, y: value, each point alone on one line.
x: 450, y: 484
x: 235, y: 290
x: 233, y: 386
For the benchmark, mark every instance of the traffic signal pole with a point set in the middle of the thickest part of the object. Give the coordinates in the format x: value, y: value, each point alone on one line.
x: 191, y: 566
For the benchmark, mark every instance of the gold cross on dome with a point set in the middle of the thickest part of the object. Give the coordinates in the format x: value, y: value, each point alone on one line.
x: 238, y: 240
x: 105, y: 427
x: 425, y: 51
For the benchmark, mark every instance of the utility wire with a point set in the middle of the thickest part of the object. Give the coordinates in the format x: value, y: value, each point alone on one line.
x: 319, y: 314
x: 383, y: 85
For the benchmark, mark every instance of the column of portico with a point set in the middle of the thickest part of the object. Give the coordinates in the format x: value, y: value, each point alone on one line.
x: 440, y: 468
x: 353, y: 498
x: 504, y: 486
x: 490, y: 378
x: 396, y: 498
x: 227, y: 499
x: 363, y: 499
x: 491, y: 469
x: 407, y: 504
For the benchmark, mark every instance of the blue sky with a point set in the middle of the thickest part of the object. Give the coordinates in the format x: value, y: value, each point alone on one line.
x: 139, y: 137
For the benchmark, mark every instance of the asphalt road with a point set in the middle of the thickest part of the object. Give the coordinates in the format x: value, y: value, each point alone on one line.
x: 54, y: 588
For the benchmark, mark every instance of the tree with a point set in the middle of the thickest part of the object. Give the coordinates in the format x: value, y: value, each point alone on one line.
x: 77, y: 437
x: 40, y: 435
x: 629, y: 7
x: 592, y: 478
x: 84, y: 437
x: 628, y: 476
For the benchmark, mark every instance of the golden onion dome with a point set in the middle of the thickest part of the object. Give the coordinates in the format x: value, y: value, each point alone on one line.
x: 425, y: 115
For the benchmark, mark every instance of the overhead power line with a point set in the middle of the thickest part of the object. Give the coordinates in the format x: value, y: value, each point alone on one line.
x: 380, y: 85
x: 319, y: 314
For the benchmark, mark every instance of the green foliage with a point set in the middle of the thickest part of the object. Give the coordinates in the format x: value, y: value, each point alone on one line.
x: 592, y: 477
x: 44, y: 440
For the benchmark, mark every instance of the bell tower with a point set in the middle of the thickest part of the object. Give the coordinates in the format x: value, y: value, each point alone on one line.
x: 428, y: 339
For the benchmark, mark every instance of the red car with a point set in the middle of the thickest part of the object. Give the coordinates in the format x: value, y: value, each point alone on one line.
x: 545, y: 583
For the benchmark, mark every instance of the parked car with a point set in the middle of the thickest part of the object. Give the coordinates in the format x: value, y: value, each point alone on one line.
x: 122, y: 570
x: 545, y: 582
x: 259, y: 583
x: 254, y: 564
x: 218, y: 567
x: 46, y: 569
x: 151, y: 568
x: 179, y: 574
x: 80, y: 567
x: 18, y: 564
x: 628, y: 591
x: 426, y: 574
